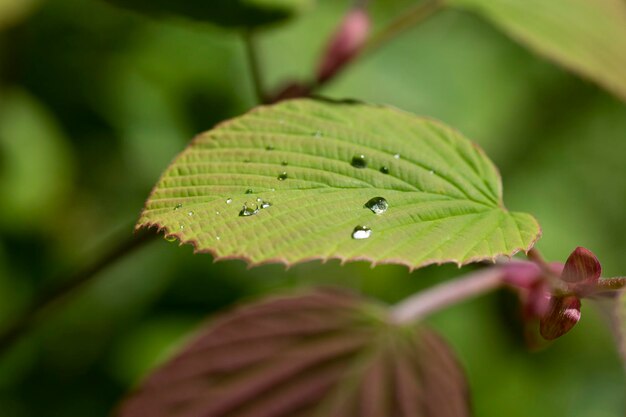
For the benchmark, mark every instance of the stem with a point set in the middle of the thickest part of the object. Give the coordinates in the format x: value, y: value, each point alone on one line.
x: 443, y: 295
x: 406, y: 20
x: 615, y: 283
x: 253, y: 63
x: 553, y: 279
x: 71, y: 284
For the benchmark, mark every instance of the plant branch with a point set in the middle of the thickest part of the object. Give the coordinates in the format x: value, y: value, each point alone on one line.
x: 69, y: 285
x: 443, y: 295
x: 406, y: 20
x: 253, y: 64
x: 615, y: 283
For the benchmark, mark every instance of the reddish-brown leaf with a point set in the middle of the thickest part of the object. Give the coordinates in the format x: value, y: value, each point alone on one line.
x: 326, y: 353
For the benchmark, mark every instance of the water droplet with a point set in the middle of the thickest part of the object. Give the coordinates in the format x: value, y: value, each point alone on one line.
x: 384, y: 170
x: 282, y: 176
x: 178, y: 206
x: 358, y: 161
x: 182, y: 227
x: 217, y: 237
x: 431, y: 172
x: 217, y: 212
x: 269, y: 148
x: 318, y: 134
x: 170, y: 238
x: 378, y: 205
x: 397, y: 156
x: 266, y: 204
x: 229, y: 200
x: 361, y: 232
x: 246, y: 161
x: 284, y: 163
x: 273, y: 189
x: 248, y: 211
x: 259, y: 199
x: 190, y: 214
x: 249, y: 191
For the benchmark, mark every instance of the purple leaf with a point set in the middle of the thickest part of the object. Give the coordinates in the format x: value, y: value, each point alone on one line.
x: 325, y: 353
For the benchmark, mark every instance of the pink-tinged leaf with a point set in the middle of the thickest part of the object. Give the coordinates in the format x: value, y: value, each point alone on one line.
x: 345, y: 43
x: 581, y: 266
x: 563, y: 314
x: 325, y: 353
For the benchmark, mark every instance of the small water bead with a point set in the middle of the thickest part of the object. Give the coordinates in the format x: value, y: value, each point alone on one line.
x: 266, y: 204
x: 378, y: 205
x: 272, y: 189
x: 248, y: 211
x: 229, y: 200
x: 246, y: 161
x: 178, y: 206
x: 249, y: 191
x: 170, y: 238
x: 217, y: 238
x: 318, y: 134
x: 397, y: 156
x: 359, y: 161
x: 190, y: 214
x: 182, y: 227
x: 284, y: 163
x: 431, y: 172
x: 217, y: 212
x: 259, y: 199
x: 361, y: 232
x: 282, y: 176
x: 269, y: 148
x: 384, y: 170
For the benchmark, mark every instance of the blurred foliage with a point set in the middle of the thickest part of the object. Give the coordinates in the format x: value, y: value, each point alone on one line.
x: 239, y: 13
x: 101, y: 100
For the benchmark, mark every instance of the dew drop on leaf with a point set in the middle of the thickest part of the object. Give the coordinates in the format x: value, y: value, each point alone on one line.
x: 248, y: 211
x: 190, y: 214
x: 361, y: 232
x: 378, y: 205
x: 229, y: 200
x: 282, y: 176
x: 397, y: 156
x: 431, y: 172
x: 318, y: 134
x: 384, y: 170
x: 284, y: 163
x: 358, y: 161
x: 249, y: 191
x: 170, y: 238
x: 265, y: 204
x: 182, y: 227
x: 178, y: 206
x: 269, y: 148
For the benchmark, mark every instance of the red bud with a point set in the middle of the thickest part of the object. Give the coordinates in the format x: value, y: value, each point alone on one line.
x: 345, y: 43
x: 582, y: 266
x: 563, y: 314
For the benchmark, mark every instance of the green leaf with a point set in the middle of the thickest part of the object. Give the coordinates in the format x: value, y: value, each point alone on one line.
x: 14, y: 11
x: 586, y: 36
x: 444, y: 194
x: 325, y: 353
x: 228, y: 13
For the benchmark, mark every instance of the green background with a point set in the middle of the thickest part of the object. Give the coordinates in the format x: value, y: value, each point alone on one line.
x: 96, y: 101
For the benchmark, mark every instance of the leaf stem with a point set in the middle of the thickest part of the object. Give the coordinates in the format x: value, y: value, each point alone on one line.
x: 615, y: 283
x: 55, y: 296
x: 443, y: 295
x: 254, y: 65
x: 411, y: 17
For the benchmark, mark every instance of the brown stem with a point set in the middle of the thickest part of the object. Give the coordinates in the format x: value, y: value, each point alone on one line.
x: 71, y: 284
